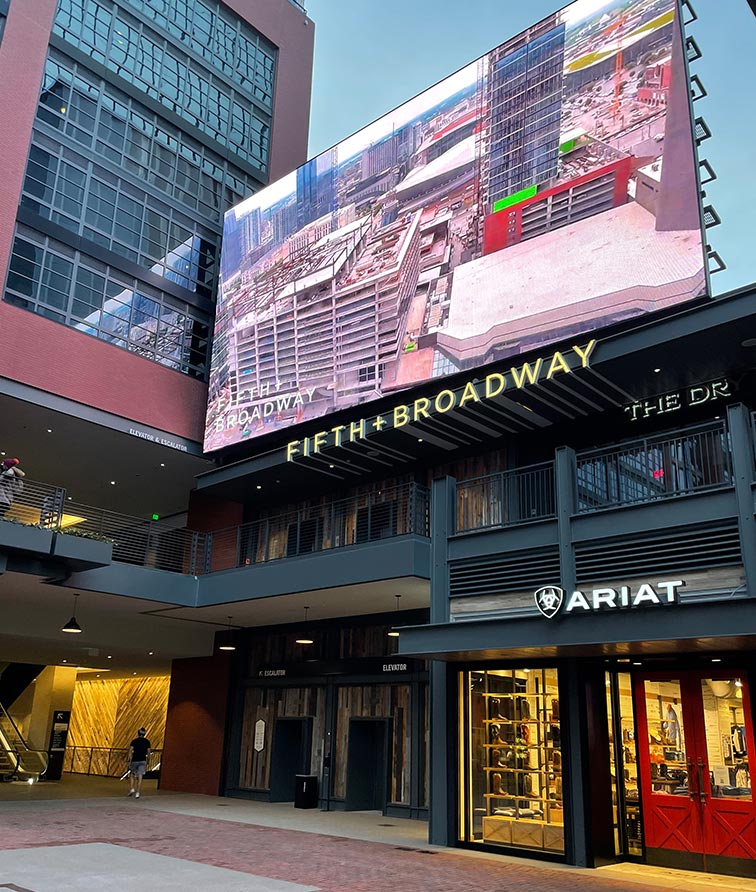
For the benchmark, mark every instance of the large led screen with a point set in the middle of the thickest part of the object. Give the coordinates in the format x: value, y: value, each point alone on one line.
x: 547, y: 189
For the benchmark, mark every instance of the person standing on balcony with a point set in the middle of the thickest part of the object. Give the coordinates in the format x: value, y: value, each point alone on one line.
x: 139, y: 751
x: 11, y: 484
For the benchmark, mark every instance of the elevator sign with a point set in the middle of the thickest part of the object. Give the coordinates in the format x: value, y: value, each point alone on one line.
x: 551, y: 599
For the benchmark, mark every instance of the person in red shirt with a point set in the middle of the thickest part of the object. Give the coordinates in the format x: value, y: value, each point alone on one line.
x: 139, y: 750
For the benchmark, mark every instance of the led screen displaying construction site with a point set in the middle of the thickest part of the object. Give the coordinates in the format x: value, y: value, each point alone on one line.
x: 545, y: 190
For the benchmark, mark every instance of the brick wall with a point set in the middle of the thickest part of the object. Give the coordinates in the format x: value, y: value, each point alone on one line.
x: 195, y: 725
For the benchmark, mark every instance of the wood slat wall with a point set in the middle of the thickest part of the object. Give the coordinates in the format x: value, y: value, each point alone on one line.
x: 107, y: 712
x: 375, y: 701
x: 269, y: 704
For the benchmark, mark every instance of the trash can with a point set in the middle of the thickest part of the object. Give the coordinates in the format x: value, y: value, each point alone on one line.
x: 306, y: 791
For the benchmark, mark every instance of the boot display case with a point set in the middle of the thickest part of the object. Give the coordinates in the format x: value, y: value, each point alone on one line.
x: 515, y: 778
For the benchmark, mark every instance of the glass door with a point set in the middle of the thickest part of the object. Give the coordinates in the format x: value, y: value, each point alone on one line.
x: 695, y: 736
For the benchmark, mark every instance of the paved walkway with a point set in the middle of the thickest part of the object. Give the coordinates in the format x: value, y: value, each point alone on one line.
x: 172, y: 842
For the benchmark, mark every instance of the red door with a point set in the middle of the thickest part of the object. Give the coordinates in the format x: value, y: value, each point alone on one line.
x: 694, y: 740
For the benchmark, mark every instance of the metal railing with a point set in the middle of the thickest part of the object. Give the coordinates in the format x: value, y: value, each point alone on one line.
x: 146, y: 543
x: 104, y: 761
x: 16, y: 758
x: 382, y: 514
x: 505, y: 499
x: 652, y: 468
x: 30, y: 502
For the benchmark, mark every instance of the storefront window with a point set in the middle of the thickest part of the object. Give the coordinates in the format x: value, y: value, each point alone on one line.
x: 624, y: 765
x: 511, y: 759
x: 726, y: 745
x: 666, y: 737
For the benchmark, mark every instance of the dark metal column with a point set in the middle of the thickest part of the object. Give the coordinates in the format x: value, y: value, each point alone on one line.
x: 443, y: 718
x: 739, y: 423
x: 566, y: 500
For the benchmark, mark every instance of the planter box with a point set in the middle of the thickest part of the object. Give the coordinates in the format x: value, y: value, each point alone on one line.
x: 16, y: 535
x: 81, y: 552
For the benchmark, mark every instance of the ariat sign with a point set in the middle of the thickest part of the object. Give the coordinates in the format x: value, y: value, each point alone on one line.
x: 551, y: 599
x: 515, y: 378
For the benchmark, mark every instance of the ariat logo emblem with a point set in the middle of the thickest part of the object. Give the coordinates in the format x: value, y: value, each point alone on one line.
x: 549, y: 599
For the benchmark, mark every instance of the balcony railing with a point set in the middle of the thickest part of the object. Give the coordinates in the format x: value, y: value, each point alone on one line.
x: 146, y: 543
x: 505, y: 499
x: 373, y: 516
x: 104, y: 761
x: 653, y: 468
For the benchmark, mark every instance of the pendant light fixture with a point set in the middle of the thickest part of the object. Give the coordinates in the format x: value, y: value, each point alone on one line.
x: 304, y: 638
x: 228, y: 643
x: 393, y: 632
x: 72, y: 627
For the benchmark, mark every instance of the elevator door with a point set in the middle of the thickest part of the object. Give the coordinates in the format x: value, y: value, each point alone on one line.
x: 367, y: 764
x: 695, y: 737
x: 290, y: 756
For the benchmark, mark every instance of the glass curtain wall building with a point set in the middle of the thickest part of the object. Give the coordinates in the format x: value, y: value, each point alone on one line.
x: 152, y: 119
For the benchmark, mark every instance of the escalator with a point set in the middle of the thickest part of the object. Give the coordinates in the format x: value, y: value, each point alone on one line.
x: 17, y: 760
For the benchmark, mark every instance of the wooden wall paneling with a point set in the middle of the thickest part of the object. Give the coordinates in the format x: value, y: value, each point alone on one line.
x: 375, y: 701
x: 269, y: 704
x: 143, y: 703
x: 93, y: 712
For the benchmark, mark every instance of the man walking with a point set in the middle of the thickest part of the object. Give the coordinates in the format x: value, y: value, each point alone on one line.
x: 139, y: 750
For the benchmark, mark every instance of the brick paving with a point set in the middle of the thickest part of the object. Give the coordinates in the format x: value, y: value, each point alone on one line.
x: 333, y: 864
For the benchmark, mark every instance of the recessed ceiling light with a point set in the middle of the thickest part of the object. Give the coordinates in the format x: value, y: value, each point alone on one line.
x: 133, y: 673
x: 419, y: 439
x: 70, y: 498
x: 2, y: 453
x: 150, y: 653
x: 112, y: 483
x: 331, y: 466
x: 716, y: 660
x: 637, y: 663
x: 657, y: 370
x: 258, y: 486
x: 109, y: 657
x: 49, y: 430
x: 162, y: 464
x: 64, y: 661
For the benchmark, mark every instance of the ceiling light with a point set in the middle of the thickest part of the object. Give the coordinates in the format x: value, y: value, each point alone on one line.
x: 392, y: 633
x: 72, y: 626
x: 133, y: 673
x: 49, y: 430
x: 228, y: 644
x: 657, y: 371
x: 331, y: 466
x: 304, y: 638
x: 150, y: 653
x: 64, y: 661
x: 162, y: 464
x: 110, y: 657
x: 258, y: 486
x: 637, y: 663
x: 716, y: 660
x: 112, y: 483
x: 419, y: 439
x: 738, y: 683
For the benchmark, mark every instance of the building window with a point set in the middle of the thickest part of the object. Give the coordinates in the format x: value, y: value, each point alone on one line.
x: 91, y: 114
x: 83, y: 197
x: 61, y: 284
x: 232, y: 105
x: 4, y: 4
x: 511, y: 759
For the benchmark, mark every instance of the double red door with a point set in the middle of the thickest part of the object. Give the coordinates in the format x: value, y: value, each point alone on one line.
x: 695, y: 738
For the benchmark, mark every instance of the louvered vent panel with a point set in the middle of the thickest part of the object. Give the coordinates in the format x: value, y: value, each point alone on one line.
x: 673, y: 552
x: 504, y: 573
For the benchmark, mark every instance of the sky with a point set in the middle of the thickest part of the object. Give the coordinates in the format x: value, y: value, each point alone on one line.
x: 372, y: 56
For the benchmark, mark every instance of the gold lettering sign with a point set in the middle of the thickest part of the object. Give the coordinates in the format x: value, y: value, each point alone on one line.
x: 518, y: 377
